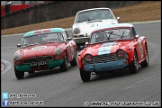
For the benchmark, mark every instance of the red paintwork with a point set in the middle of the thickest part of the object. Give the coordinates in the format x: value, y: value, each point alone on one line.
x: 46, y: 30
x: 38, y: 32
x: 28, y: 52
x: 127, y: 45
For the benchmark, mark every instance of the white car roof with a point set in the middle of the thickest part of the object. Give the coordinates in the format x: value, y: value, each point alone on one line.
x: 92, y: 9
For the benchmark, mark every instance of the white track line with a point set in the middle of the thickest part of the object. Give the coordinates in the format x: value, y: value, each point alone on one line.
x: 7, y: 67
x: 2, y: 66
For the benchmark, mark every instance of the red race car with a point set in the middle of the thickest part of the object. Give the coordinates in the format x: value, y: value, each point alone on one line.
x: 44, y: 49
x: 113, y: 47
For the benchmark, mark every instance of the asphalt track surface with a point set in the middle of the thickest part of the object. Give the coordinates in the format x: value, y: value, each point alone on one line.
x: 55, y: 88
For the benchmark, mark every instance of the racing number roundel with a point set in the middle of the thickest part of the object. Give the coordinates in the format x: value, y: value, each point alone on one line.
x: 140, y: 48
x: 72, y: 50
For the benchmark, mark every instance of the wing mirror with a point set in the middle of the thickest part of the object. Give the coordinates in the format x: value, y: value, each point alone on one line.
x: 69, y: 38
x: 118, y: 18
x: 18, y: 45
x: 136, y: 36
x: 86, y: 44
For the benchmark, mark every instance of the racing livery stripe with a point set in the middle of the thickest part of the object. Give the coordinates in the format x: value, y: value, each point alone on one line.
x: 29, y: 34
x: 106, y: 48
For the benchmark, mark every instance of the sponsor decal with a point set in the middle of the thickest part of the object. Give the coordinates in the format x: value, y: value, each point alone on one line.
x: 106, y: 48
x: 39, y: 48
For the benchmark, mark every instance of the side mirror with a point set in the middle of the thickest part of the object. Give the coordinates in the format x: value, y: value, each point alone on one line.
x: 18, y: 45
x: 86, y: 44
x: 136, y: 36
x: 118, y: 18
x: 69, y: 38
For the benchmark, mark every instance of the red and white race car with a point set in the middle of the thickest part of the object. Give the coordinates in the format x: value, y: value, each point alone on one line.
x: 113, y: 47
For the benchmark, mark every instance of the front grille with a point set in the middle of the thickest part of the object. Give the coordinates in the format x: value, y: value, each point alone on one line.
x: 103, y: 58
x: 81, y: 36
x: 30, y: 60
x: 37, y: 59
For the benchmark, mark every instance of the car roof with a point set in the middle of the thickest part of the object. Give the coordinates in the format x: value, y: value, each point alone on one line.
x: 112, y: 26
x: 40, y: 31
x: 92, y: 9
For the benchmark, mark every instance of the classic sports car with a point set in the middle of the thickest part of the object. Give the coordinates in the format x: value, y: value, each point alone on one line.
x: 88, y: 19
x: 44, y: 49
x: 113, y: 47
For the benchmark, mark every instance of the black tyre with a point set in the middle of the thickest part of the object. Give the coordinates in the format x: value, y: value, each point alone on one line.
x: 18, y: 74
x: 85, y: 76
x: 73, y: 62
x: 64, y: 65
x: 31, y: 72
x: 146, y: 62
x: 134, y: 67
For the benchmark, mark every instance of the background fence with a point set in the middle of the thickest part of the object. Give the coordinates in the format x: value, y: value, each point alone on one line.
x: 55, y: 10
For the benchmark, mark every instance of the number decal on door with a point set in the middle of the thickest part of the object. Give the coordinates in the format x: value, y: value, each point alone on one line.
x: 140, y: 48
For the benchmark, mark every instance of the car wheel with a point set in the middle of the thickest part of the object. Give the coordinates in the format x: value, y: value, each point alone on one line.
x: 134, y: 67
x: 85, y: 76
x: 18, y: 74
x: 73, y: 62
x: 146, y: 62
x: 64, y: 65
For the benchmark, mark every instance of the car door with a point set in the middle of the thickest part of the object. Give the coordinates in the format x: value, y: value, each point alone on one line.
x: 72, y: 46
x: 141, y: 47
x: 138, y: 44
x: 68, y: 46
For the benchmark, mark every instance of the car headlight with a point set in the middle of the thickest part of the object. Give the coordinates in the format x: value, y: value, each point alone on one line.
x: 58, y: 51
x: 76, y: 31
x: 88, y: 58
x: 17, y: 57
x: 121, y: 54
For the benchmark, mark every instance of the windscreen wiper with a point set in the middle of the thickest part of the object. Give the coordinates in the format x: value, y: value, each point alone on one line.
x: 122, y: 34
x: 109, y: 35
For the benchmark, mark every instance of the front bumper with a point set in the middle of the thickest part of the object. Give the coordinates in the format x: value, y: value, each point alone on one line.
x: 50, y: 65
x: 81, y: 40
x: 106, y: 66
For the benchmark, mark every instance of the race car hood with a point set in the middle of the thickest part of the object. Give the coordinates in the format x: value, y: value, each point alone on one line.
x: 88, y: 26
x: 105, y: 48
x: 39, y: 50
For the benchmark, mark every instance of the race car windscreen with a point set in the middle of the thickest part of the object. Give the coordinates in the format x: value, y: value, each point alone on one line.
x: 111, y: 35
x: 93, y: 15
x: 42, y: 38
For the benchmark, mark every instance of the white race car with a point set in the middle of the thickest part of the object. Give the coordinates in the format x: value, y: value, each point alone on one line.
x: 88, y: 19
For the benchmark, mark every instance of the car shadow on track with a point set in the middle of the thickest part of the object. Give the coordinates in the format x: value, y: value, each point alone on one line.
x: 115, y: 74
x: 44, y: 73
